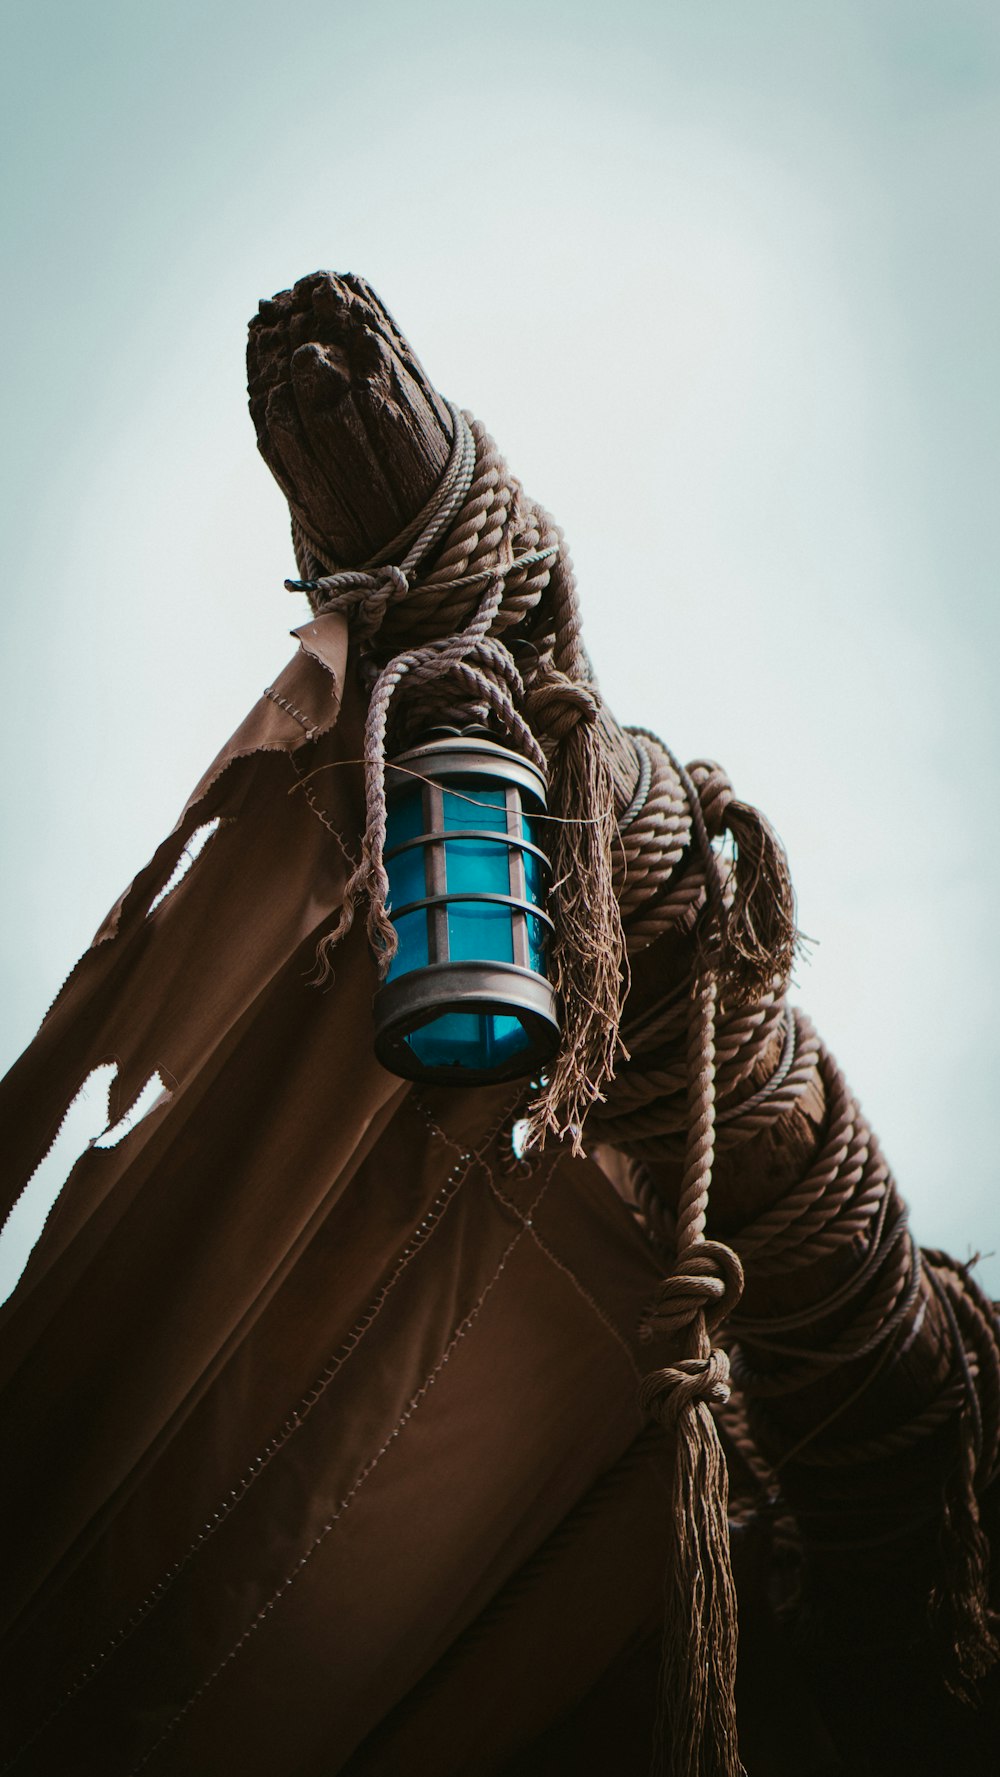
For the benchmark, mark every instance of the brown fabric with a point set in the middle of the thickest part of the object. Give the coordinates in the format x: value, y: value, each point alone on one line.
x: 321, y: 1440
x: 303, y: 1371
x: 589, y: 1595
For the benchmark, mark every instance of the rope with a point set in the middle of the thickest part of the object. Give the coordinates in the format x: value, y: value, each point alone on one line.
x: 472, y: 610
x: 700, y: 1290
x: 470, y: 613
x: 416, y: 539
x: 482, y: 589
x: 681, y: 1100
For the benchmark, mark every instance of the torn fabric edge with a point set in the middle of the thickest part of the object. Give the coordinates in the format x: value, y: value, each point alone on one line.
x: 313, y: 684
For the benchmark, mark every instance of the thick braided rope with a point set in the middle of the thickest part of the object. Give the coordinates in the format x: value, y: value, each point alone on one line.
x: 663, y: 884
x: 485, y: 572
x: 475, y: 517
x: 837, y: 1199
x: 882, y: 1313
x: 974, y: 1321
x: 671, y: 817
x: 644, y: 1112
x: 846, y: 1199
x: 665, y: 879
x: 851, y: 1494
x: 647, y: 1098
x: 653, y: 1129
x: 494, y: 519
x: 654, y: 833
x: 472, y: 656
x: 705, y: 1280
x: 704, y: 1283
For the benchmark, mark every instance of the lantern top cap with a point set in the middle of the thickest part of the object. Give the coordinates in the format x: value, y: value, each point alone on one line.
x: 465, y: 756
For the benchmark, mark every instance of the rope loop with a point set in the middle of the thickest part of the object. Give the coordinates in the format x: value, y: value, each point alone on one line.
x: 363, y: 594
x: 707, y: 1280
x: 714, y: 791
x: 557, y: 704
x: 750, y: 936
x: 477, y: 563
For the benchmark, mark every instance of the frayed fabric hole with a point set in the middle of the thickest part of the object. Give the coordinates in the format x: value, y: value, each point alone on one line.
x: 192, y: 851
x: 86, y: 1116
x: 85, y: 1125
x: 150, y: 1095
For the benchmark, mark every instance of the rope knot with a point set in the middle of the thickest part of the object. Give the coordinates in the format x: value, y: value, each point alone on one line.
x: 750, y: 899
x: 665, y: 1393
x: 715, y: 793
x: 558, y: 704
x: 706, y: 1281
x: 363, y: 594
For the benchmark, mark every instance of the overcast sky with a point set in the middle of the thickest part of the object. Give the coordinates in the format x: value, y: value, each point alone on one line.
x: 722, y: 278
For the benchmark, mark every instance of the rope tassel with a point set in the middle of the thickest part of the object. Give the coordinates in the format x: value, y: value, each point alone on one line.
x: 696, y: 1728
x: 588, y: 966
x: 760, y: 935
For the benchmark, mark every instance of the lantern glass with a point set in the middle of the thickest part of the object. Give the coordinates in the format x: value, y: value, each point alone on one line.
x: 466, y: 999
x: 537, y: 945
x: 469, y: 1039
x: 477, y: 866
x: 412, y: 951
x: 407, y: 868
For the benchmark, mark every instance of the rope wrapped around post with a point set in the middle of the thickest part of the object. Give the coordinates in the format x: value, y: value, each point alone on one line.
x: 720, y: 1026
x: 547, y: 708
x: 853, y: 1488
x: 547, y: 705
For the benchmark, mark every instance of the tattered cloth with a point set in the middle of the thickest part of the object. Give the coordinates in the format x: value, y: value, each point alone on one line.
x: 306, y: 1374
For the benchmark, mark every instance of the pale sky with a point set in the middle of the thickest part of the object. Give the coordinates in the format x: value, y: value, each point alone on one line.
x: 722, y: 279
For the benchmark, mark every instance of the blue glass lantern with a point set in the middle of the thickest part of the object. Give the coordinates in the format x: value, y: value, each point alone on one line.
x: 466, y: 1000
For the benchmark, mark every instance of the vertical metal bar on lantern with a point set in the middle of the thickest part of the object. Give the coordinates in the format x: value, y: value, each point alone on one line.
x: 518, y: 880
x: 436, y: 869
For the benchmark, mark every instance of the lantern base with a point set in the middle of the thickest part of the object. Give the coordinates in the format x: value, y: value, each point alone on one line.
x: 466, y: 1024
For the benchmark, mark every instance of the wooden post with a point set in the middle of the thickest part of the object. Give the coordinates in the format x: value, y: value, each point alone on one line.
x: 353, y: 431
x: 358, y: 437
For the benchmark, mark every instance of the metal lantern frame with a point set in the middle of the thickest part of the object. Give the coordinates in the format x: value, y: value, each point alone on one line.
x: 424, y: 993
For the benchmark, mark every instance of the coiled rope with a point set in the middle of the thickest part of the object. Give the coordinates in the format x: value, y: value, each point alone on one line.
x: 699, y: 1080
x: 482, y: 589
x: 472, y: 611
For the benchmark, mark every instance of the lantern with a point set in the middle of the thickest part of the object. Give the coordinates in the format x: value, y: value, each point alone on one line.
x: 466, y: 1000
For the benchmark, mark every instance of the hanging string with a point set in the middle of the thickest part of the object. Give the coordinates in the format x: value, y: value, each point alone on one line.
x: 698, y: 1736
